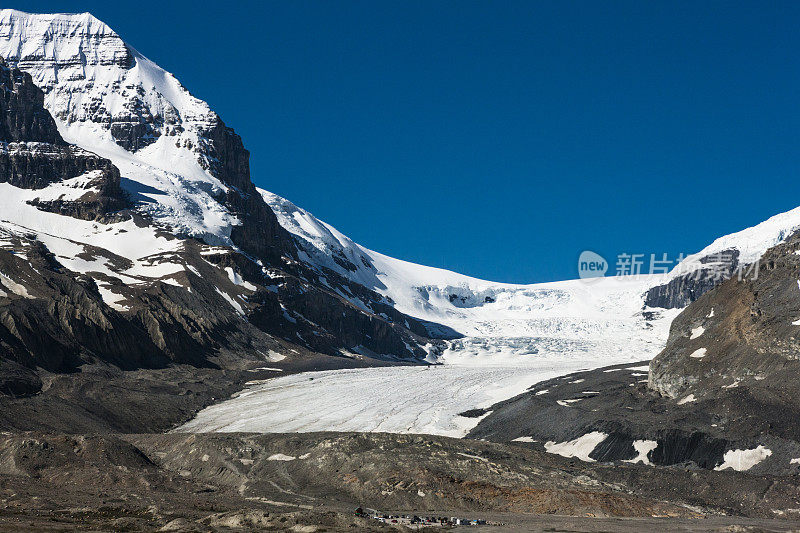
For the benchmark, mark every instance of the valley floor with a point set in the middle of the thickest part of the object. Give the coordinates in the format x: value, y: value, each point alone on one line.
x: 313, y: 482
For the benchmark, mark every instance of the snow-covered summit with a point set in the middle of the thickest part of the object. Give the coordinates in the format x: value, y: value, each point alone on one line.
x: 90, y: 76
x: 108, y: 98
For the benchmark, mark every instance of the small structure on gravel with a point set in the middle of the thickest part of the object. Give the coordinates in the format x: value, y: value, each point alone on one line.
x: 414, y: 520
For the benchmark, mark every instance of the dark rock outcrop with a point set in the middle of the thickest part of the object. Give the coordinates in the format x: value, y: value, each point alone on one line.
x: 35, y: 165
x: 32, y: 152
x: 23, y: 117
x: 259, y: 234
x: 33, y: 155
x: 686, y: 288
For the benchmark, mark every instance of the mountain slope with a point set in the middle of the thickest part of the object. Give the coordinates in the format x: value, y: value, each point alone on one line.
x: 151, y: 243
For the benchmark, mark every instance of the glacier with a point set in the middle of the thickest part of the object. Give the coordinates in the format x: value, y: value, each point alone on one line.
x: 108, y: 98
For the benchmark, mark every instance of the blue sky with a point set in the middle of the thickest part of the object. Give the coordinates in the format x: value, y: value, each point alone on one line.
x: 499, y: 139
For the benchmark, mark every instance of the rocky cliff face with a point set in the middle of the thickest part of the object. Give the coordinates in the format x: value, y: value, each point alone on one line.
x: 259, y: 232
x: 24, y: 117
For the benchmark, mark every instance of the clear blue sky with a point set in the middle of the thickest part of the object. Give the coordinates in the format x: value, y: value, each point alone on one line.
x: 499, y: 139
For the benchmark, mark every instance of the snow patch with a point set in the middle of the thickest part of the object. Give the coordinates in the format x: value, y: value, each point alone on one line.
x: 643, y: 449
x: 698, y: 353
x: 579, y: 448
x: 236, y: 279
x: 566, y: 403
x: 281, y: 457
x: 696, y: 332
x: 741, y: 460
x: 14, y: 287
x: 687, y: 399
x: 274, y: 356
x: 111, y: 298
x: 236, y: 306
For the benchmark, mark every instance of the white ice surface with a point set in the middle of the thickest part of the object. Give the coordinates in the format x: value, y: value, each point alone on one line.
x: 390, y: 399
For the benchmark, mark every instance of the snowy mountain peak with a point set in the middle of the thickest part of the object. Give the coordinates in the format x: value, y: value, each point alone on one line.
x: 125, y: 96
x: 74, y: 22
x: 108, y: 98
